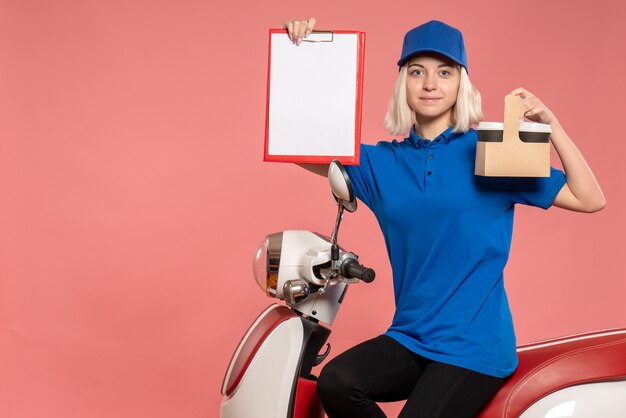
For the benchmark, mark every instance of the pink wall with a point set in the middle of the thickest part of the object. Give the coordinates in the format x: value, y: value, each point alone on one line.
x: 134, y: 196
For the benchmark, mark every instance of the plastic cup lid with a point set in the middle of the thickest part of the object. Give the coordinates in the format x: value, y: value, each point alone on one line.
x: 534, y: 127
x: 491, y: 126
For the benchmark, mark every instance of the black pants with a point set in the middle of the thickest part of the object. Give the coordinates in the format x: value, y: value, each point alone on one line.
x: 382, y: 370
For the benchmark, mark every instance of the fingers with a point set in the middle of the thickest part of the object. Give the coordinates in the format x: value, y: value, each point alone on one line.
x: 534, y: 113
x: 523, y: 93
x: 299, y: 29
x: 289, y: 26
x: 309, y: 27
x: 530, y: 103
x: 297, y: 33
x: 534, y: 109
x: 532, y: 106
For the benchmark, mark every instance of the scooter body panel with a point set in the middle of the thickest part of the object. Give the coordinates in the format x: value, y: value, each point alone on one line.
x: 550, y: 366
x: 266, y: 386
x: 593, y: 400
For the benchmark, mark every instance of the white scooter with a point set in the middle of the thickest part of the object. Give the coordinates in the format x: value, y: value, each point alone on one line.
x: 269, y: 375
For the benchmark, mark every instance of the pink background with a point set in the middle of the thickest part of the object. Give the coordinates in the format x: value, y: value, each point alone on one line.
x: 134, y: 193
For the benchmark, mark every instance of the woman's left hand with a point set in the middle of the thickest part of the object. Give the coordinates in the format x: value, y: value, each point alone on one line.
x: 534, y: 109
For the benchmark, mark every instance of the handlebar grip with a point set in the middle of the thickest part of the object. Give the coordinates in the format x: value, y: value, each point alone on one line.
x: 352, y: 269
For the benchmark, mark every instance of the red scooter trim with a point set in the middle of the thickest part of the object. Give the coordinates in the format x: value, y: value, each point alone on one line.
x: 252, y: 341
x: 548, y: 366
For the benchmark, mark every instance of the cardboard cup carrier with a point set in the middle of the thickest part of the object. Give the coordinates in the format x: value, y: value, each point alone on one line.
x: 513, y: 148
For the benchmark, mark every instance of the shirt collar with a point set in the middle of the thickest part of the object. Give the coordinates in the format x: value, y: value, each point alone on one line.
x: 444, y: 137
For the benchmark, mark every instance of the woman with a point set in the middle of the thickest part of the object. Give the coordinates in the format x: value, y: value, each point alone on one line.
x: 451, y: 344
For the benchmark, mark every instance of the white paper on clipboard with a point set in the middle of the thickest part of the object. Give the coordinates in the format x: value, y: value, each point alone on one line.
x: 314, y: 97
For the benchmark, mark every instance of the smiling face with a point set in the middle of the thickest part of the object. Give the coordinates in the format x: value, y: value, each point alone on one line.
x: 432, y: 87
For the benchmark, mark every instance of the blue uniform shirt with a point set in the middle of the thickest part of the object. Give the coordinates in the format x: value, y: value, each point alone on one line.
x: 448, y: 235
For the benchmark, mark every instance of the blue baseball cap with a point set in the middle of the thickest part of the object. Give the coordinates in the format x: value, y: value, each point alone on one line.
x: 434, y: 36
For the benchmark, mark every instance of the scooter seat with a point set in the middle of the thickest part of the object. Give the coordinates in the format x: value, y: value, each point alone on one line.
x: 547, y: 366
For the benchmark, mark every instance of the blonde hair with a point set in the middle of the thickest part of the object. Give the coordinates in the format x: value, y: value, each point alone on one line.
x: 465, y: 112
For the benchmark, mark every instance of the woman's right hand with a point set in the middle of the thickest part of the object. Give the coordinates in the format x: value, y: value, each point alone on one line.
x: 298, y: 29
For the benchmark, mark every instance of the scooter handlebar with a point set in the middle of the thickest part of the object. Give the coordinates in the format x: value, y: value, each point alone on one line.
x: 352, y: 269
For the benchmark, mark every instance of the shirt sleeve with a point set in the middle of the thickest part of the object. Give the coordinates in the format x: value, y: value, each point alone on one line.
x: 538, y: 191
x: 361, y: 176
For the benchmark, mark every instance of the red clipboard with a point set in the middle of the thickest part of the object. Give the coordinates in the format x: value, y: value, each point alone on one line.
x: 314, y: 97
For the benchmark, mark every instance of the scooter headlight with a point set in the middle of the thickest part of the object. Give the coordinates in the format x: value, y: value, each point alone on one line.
x: 266, y: 262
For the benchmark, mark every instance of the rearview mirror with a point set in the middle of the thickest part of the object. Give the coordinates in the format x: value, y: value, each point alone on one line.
x: 340, y: 186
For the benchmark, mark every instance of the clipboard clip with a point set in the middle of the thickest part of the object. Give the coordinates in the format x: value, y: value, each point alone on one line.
x: 320, y: 36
